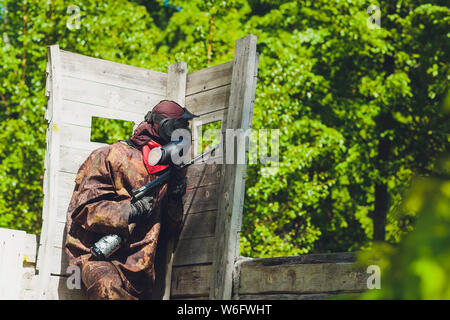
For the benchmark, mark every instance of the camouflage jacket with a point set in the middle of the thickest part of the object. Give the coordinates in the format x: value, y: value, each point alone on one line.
x: 100, y: 205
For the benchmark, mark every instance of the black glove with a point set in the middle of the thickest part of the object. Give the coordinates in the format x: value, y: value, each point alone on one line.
x: 177, y: 185
x: 141, y: 209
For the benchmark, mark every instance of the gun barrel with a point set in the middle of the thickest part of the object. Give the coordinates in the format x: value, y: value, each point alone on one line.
x: 151, y: 186
x: 200, y: 156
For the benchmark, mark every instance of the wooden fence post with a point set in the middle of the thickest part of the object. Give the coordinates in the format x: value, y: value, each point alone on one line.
x: 232, y: 190
x: 176, y: 91
x: 12, y: 243
x: 44, y: 263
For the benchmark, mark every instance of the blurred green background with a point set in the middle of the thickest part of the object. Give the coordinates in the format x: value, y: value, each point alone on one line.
x: 360, y: 106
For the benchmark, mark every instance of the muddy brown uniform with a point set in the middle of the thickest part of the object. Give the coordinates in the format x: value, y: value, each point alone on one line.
x: 100, y: 205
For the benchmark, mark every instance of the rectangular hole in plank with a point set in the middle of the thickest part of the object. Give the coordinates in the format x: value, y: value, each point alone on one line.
x: 210, y: 135
x: 110, y: 131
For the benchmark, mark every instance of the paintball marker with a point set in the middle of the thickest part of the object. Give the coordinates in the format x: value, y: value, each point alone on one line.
x: 109, y: 244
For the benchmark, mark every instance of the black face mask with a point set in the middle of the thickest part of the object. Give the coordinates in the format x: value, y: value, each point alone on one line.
x: 167, y: 126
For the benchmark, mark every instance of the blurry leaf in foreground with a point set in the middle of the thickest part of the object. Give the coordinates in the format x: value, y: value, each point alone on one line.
x: 419, y: 268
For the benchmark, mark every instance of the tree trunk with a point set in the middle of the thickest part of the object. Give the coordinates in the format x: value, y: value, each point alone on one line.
x: 381, y: 192
x: 381, y: 208
x: 384, y: 122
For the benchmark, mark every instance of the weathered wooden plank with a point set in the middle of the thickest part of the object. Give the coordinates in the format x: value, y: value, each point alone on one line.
x: 176, y: 91
x: 209, y: 78
x: 59, y: 234
x: 199, y: 175
x: 301, y: 278
x: 30, y: 248
x: 176, y: 83
x: 67, y: 185
x: 232, y: 185
x: 111, y: 98
x: 80, y: 113
x: 77, y: 137
x: 243, y: 85
x: 63, y: 205
x: 199, y: 225
x: 47, y: 79
x: 28, y: 283
x: 194, y: 251
x: 51, y: 165
x: 201, y: 199
x: 280, y: 296
x: 113, y: 73
x: 209, y: 101
x: 337, y: 257
x: 191, y: 281
x: 12, y: 244
x: 59, y: 261
x: 72, y: 158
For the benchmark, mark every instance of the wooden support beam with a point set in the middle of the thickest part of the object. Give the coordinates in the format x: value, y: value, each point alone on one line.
x: 114, y: 74
x: 52, y: 157
x: 176, y: 82
x: 176, y: 91
x: 191, y: 281
x: 232, y: 184
x: 312, y: 276
x: 12, y: 244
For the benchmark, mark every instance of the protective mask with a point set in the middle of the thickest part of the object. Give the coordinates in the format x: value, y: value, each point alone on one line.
x: 167, y: 126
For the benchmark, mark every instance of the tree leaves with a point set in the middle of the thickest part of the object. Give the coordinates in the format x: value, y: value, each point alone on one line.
x: 334, y: 88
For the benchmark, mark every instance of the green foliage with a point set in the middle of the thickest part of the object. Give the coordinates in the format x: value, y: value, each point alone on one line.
x: 419, y: 268
x: 110, y: 130
x: 114, y: 30
x: 340, y: 93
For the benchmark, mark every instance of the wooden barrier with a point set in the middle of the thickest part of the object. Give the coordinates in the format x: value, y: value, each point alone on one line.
x: 314, y: 276
x: 81, y: 87
x: 17, y: 264
x: 205, y: 264
x: 307, y: 277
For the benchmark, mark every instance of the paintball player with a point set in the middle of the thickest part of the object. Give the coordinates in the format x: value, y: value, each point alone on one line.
x: 101, y: 205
